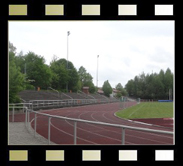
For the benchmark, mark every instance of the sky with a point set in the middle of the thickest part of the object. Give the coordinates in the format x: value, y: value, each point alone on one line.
x: 125, y: 48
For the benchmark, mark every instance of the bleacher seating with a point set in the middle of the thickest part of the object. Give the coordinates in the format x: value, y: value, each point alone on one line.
x: 28, y: 95
x: 97, y: 96
x: 75, y: 95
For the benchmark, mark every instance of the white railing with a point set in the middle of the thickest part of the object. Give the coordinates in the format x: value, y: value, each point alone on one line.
x: 17, y: 106
x: 123, y: 127
x: 63, y: 103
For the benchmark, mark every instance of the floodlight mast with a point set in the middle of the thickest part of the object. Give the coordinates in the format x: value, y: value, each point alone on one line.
x: 68, y: 33
x: 97, y: 71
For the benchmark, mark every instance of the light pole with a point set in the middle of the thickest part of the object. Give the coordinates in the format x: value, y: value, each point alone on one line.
x: 97, y: 71
x: 68, y: 33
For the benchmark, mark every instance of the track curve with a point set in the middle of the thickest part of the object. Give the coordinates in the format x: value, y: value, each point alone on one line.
x: 91, y: 134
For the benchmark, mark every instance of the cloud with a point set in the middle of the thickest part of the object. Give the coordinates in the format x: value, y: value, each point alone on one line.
x: 125, y: 48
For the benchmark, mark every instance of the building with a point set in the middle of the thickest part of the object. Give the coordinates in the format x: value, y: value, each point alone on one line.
x: 114, y: 92
x: 86, y: 89
x: 100, y: 91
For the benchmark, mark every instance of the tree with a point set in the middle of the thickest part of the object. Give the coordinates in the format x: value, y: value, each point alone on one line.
x: 16, y: 78
x: 82, y: 74
x: 121, y: 90
x: 168, y: 82
x: 119, y: 86
x: 12, y: 48
x: 79, y: 85
x: 107, y: 88
x: 151, y: 86
x: 60, y: 75
x: 130, y: 87
x: 86, y: 79
x: 91, y: 86
x: 20, y: 62
x: 73, y: 79
x: 37, y: 71
x: 63, y: 76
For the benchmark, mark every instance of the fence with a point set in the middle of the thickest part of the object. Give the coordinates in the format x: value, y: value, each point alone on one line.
x: 126, y: 102
x: 122, y: 127
x: 64, y: 103
x: 17, y: 106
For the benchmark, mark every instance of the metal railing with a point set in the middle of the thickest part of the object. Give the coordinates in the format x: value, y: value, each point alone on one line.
x: 54, y: 90
x: 123, y: 127
x: 17, y: 106
x: 40, y: 104
x: 63, y: 103
x: 29, y: 110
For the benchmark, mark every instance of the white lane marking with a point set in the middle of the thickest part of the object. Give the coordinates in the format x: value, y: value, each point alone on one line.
x: 73, y: 135
x: 96, y: 133
x: 75, y: 112
x: 118, y: 132
x: 135, y: 131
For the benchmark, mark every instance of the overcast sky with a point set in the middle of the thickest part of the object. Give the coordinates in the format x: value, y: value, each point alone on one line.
x: 125, y: 48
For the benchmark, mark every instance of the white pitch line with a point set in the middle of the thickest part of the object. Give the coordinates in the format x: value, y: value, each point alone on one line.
x: 143, y: 133
x: 135, y: 111
x: 166, y: 136
x: 140, y: 122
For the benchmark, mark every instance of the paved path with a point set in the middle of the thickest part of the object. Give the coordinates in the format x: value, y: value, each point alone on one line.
x: 20, y: 135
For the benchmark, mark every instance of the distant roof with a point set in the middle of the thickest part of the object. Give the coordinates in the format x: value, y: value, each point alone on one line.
x: 85, y: 87
x: 115, y: 90
x: 100, y: 91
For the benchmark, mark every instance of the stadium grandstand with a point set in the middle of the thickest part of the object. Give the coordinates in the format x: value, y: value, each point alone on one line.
x: 50, y: 98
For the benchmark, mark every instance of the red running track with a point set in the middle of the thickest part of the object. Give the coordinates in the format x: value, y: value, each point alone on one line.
x: 91, y: 134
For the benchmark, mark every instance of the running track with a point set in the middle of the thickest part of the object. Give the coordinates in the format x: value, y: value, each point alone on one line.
x: 91, y: 134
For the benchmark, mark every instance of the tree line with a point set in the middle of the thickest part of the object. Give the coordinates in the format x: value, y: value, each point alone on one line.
x: 29, y: 71
x: 151, y: 86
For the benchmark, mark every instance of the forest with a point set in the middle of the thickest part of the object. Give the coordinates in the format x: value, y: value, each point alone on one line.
x: 151, y: 86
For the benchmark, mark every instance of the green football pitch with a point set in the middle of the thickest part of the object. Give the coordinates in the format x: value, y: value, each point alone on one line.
x: 148, y: 110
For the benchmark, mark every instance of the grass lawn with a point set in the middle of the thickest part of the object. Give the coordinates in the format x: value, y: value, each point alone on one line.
x: 148, y: 110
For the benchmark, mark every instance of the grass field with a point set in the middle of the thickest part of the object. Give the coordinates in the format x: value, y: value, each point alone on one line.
x: 148, y: 110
